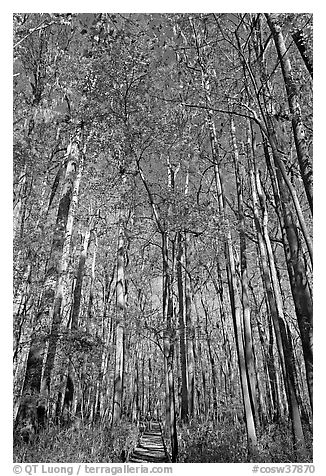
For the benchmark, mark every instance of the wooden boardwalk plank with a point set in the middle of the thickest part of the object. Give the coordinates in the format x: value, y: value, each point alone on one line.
x: 151, y: 447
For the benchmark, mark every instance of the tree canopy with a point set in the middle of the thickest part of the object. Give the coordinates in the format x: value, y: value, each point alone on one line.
x: 163, y: 232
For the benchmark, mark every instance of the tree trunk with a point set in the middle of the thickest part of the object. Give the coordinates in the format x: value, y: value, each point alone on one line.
x: 295, y: 264
x: 232, y: 279
x: 135, y: 406
x: 19, y: 201
x: 248, y: 343
x: 190, y: 350
x: 79, y: 280
x: 120, y: 323
x: 183, y: 346
x: 67, y: 208
x: 295, y: 110
x: 299, y: 442
x: 190, y: 335
x: 282, y: 188
x: 286, y: 341
x: 167, y: 319
x: 212, y: 364
x: 89, y: 315
x: 236, y: 313
x: 299, y: 40
x: 202, y: 399
x: 22, y: 332
x: 168, y: 350
x: 55, y: 268
x: 276, y: 307
x: 271, y: 382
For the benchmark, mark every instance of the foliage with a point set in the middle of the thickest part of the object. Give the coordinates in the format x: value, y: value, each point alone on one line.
x: 79, y: 443
x: 225, y: 442
x: 138, y: 108
x: 276, y: 444
x: 205, y: 442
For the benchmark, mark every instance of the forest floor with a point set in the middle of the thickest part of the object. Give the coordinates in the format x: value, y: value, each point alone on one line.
x: 151, y: 447
x: 198, y: 442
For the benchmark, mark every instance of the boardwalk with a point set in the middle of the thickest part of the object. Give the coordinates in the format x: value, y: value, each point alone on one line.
x: 151, y: 447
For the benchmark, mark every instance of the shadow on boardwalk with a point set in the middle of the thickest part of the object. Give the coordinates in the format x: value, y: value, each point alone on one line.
x: 151, y: 447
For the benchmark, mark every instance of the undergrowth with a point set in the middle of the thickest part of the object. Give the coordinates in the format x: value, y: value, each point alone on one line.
x: 199, y: 442
x: 227, y: 443
x: 86, y: 444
